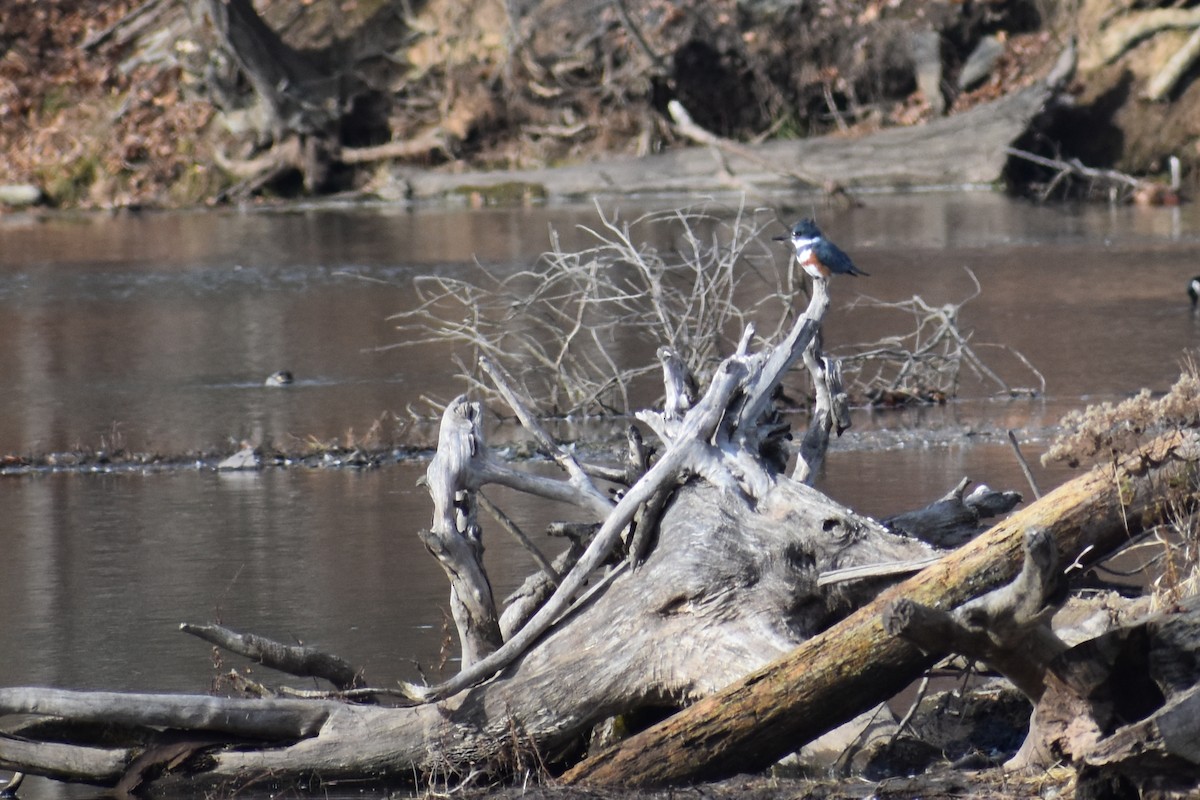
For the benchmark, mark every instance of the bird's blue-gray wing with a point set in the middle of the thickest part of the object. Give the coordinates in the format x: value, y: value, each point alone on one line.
x: 836, y: 259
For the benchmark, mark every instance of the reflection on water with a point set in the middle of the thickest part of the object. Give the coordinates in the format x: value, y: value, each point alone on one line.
x: 98, y: 572
x: 155, y: 332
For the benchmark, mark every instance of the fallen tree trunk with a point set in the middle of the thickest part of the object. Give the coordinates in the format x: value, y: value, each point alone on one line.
x: 857, y: 664
x: 672, y: 631
x: 573, y: 679
x: 731, y: 582
x: 1124, y: 702
x: 964, y: 149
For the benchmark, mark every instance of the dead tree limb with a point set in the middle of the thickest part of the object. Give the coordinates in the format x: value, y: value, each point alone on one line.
x: 691, y: 450
x: 304, y: 662
x: 578, y: 476
x: 830, y: 413
x: 856, y: 664
x: 1008, y: 628
x: 277, y: 719
x: 956, y: 517
x: 454, y: 537
x: 688, y: 127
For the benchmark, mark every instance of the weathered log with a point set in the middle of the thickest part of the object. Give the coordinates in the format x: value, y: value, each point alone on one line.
x: 856, y: 664
x: 768, y: 551
x: 956, y: 517
x: 691, y: 451
x: 1008, y: 628
x: 280, y: 719
x: 723, y: 447
x: 688, y: 127
x: 1125, y: 698
x: 1173, y: 730
x: 964, y: 149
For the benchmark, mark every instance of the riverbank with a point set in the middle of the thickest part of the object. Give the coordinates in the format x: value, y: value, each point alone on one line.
x: 152, y: 104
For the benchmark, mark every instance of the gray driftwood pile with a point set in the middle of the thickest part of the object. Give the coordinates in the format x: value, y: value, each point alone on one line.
x: 709, y: 581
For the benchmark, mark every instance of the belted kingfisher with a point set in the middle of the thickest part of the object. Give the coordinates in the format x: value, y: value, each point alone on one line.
x: 1194, y: 290
x: 819, y: 256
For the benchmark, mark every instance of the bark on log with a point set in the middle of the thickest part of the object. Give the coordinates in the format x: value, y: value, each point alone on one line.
x: 1127, y: 698
x: 1008, y: 629
x: 856, y: 664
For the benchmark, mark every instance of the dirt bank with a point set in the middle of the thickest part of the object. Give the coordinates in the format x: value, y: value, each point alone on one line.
x: 167, y: 103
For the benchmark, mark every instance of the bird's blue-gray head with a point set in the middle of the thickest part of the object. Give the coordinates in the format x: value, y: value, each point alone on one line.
x: 805, y: 229
x: 803, y: 234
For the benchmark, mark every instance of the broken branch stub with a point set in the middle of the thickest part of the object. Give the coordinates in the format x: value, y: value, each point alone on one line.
x: 1007, y: 629
x: 454, y: 538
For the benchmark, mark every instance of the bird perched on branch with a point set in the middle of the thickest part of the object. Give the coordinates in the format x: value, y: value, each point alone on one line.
x: 817, y: 255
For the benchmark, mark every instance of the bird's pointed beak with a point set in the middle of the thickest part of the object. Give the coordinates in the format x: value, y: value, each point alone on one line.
x: 784, y: 238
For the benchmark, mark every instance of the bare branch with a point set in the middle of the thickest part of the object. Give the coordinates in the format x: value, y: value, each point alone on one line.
x: 295, y: 660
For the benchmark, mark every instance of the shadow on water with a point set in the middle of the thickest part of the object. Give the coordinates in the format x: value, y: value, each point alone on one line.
x: 155, y: 332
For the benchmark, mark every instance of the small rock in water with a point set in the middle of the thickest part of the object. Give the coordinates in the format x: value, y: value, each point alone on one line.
x: 246, y: 458
x: 20, y: 194
x: 280, y: 378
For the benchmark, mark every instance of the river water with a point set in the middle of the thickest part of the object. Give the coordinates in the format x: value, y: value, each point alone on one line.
x: 154, y: 332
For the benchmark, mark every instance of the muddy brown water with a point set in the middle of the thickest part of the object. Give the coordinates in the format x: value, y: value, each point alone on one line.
x: 155, y: 332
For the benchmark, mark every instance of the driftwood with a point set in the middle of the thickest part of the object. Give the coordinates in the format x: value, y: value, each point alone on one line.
x: 292, y: 659
x: 843, y: 671
x: 574, y: 679
x: 728, y: 574
x: 954, y: 519
x: 965, y: 149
